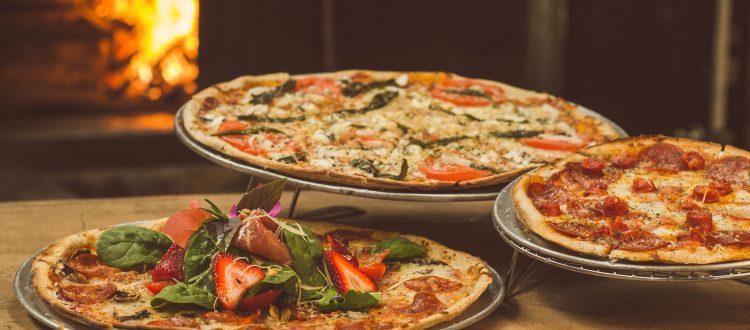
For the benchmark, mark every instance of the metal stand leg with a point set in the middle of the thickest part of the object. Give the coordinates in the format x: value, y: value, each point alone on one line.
x: 293, y: 204
x: 251, y: 184
x: 510, y: 282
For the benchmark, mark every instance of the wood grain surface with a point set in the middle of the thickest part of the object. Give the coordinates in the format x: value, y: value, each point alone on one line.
x: 546, y: 298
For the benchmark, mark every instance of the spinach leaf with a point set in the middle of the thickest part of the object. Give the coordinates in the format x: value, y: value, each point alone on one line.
x: 267, y: 97
x: 249, y: 131
x: 378, y: 101
x: 200, y: 251
x: 357, y: 87
x: 401, y: 248
x: 307, y: 256
x: 221, y: 232
x: 293, y: 158
x: 352, y: 300
x: 184, y: 294
x: 281, y: 278
x: 271, y: 119
x: 264, y: 197
x: 132, y: 246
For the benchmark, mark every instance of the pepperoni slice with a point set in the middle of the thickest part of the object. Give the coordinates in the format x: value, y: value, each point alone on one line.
x: 643, y: 185
x: 731, y: 169
x: 549, y: 209
x: 572, y: 229
x: 424, y: 303
x: 594, y: 188
x: 721, y: 187
x: 728, y: 237
x: 624, y: 161
x: 689, y: 204
x: 694, y: 160
x: 700, y: 219
x: 593, y: 166
x: 639, y: 240
x: 433, y: 284
x: 663, y: 156
x: 90, y: 265
x: 705, y: 194
x: 614, y: 206
x: 88, y: 294
x: 536, y: 189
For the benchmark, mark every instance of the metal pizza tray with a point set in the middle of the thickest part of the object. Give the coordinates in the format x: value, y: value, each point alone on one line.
x: 47, y: 315
x: 465, y: 195
x: 514, y: 232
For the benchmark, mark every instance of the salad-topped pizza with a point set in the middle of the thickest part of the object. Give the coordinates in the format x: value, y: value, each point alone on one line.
x: 248, y: 269
x: 423, y: 130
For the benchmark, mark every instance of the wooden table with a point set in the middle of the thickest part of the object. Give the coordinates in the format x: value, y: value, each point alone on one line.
x: 548, y: 297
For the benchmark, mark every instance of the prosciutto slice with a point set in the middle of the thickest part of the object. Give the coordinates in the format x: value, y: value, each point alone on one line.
x: 253, y: 236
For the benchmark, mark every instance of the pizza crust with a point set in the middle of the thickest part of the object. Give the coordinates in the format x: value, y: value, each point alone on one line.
x: 192, y: 126
x: 45, y: 287
x: 538, y: 223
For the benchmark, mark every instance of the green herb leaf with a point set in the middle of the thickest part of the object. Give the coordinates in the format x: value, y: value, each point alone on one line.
x: 221, y: 232
x: 352, y: 300
x: 401, y: 248
x: 483, y: 168
x: 200, y: 251
x: 307, y: 256
x: 184, y: 294
x: 267, y: 97
x: 132, y: 246
x: 293, y: 158
x: 281, y: 278
x: 355, y: 88
x: 515, y: 134
x: 378, y: 101
x: 249, y: 131
x: 438, y: 142
x: 263, y: 119
x: 264, y: 197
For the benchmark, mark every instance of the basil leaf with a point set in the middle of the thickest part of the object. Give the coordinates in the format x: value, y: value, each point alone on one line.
x: 352, y: 300
x: 307, y: 255
x: 184, y: 294
x: 264, y: 197
x: 222, y: 232
x: 200, y: 250
x: 401, y: 248
x: 132, y: 246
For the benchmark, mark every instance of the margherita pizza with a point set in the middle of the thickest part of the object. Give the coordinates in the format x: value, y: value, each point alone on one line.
x: 246, y: 269
x: 421, y: 130
x: 644, y: 199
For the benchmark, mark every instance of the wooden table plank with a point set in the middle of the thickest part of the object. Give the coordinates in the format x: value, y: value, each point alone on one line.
x: 548, y: 297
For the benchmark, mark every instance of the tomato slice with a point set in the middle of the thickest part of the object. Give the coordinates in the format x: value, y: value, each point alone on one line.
x: 374, y: 271
x: 238, y: 141
x: 156, y: 287
x: 261, y: 300
x: 549, y: 144
x: 278, y: 143
x: 468, y: 92
x: 318, y: 85
x: 450, y: 172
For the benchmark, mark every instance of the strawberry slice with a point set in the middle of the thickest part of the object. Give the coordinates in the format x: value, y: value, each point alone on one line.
x: 374, y: 271
x: 261, y: 300
x: 336, y: 245
x: 233, y: 277
x: 346, y: 276
x: 156, y: 287
x: 170, y: 266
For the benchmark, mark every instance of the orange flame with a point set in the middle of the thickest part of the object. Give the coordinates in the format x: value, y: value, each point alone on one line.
x: 156, y: 43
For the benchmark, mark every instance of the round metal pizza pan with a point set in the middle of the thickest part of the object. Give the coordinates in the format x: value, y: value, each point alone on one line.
x: 515, y: 233
x: 465, y: 195
x: 48, y: 316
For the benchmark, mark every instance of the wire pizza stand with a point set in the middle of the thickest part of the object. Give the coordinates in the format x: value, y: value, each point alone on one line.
x: 514, y: 232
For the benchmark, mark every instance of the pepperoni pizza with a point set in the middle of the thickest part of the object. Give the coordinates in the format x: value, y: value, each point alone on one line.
x: 644, y: 199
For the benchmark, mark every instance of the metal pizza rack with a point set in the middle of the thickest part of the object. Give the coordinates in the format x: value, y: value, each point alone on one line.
x: 514, y: 232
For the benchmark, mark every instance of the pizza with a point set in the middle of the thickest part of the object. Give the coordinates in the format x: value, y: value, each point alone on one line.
x: 658, y: 199
x: 247, y: 269
x: 421, y: 130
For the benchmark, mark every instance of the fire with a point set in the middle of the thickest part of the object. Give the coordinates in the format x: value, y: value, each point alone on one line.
x: 153, y: 45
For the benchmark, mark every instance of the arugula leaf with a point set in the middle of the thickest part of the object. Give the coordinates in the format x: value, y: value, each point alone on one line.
x: 184, y: 294
x: 132, y: 246
x: 221, y: 232
x: 264, y: 197
x: 268, y: 96
x: 307, y: 255
x: 352, y: 300
x: 401, y: 248
x: 200, y: 251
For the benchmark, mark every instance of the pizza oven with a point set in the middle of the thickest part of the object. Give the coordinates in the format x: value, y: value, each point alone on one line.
x: 89, y: 88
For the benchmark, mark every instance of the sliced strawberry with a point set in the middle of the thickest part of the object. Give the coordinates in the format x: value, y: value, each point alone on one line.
x: 261, y: 300
x: 374, y: 271
x: 345, y: 276
x: 233, y: 277
x: 339, y: 247
x: 156, y: 287
x: 170, y: 265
